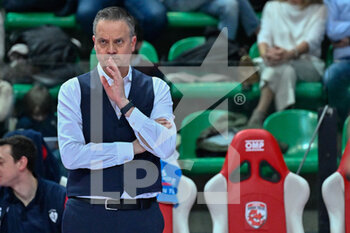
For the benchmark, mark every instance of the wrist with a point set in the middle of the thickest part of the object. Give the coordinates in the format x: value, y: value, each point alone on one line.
x: 122, y: 103
x: 127, y: 109
x: 295, y: 53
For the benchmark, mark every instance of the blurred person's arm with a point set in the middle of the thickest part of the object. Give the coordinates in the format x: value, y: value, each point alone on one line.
x: 316, y: 34
x: 264, y: 38
x: 337, y: 29
x: 6, y: 99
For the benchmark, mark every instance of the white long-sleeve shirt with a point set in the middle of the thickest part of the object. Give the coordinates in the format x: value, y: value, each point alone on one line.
x: 286, y: 26
x: 75, y: 153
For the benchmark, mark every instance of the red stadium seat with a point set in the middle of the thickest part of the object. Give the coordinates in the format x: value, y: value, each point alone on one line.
x: 336, y: 195
x: 255, y: 191
x: 167, y: 211
x: 176, y: 217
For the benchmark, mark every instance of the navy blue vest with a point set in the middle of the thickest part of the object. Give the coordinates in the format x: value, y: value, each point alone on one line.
x: 114, y: 130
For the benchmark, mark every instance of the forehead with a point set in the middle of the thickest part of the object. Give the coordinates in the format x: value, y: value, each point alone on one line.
x: 5, y: 152
x: 112, y: 28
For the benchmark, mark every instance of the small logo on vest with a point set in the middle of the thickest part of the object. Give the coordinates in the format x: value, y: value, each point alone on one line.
x: 256, y: 214
x: 53, y: 215
x: 254, y: 145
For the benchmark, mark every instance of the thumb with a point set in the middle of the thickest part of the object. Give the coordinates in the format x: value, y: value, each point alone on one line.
x: 104, y: 81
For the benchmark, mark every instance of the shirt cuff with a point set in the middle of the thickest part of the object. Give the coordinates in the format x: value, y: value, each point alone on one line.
x: 126, y: 151
x: 137, y: 119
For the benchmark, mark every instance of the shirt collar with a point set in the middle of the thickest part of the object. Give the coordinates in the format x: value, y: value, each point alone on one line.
x: 126, y: 79
x: 11, y: 197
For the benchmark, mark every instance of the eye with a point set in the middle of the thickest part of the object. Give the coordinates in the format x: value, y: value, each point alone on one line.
x: 119, y: 41
x: 103, y: 41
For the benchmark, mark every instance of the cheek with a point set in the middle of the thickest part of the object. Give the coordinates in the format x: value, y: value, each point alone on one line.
x: 6, y: 173
x: 98, y: 49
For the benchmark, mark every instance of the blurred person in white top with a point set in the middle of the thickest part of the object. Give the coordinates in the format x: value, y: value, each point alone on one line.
x: 290, y: 46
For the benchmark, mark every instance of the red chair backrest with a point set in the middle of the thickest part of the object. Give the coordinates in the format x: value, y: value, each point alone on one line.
x: 344, y: 170
x: 255, y: 203
x: 167, y: 211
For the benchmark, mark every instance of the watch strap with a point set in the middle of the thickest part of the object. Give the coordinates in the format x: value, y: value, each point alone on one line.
x: 126, y: 108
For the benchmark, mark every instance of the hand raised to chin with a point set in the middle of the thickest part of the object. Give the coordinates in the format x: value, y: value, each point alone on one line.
x: 115, y: 91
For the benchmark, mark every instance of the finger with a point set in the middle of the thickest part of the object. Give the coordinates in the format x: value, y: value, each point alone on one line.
x: 104, y: 81
x: 111, y: 71
x: 160, y: 119
x: 113, y: 66
x: 164, y: 123
x: 168, y: 125
x: 163, y: 120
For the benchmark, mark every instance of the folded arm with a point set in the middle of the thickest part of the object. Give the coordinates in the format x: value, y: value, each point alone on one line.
x: 157, y: 134
x: 337, y: 29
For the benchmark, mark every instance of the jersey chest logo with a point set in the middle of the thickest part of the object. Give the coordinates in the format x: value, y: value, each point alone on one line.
x: 53, y: 215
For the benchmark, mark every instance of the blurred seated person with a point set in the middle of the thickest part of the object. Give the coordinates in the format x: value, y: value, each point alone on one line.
x: 38, y: 112
x: 140, y: 62
x: 337, y: 76
x: 2, y: 36
x: 290, y: 48
x: 47, y: 164
x: 6, y: 105
x: 229, y: 12
x: 258, y: 5
x: 59, y: 7
x: 151, y: 14
x: 28, y: 204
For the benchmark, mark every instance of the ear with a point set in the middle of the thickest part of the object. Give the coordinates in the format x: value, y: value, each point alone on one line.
x: 94, y: 40
x: 138, y: 45
x: 22, y: 163
x: 133, y: 43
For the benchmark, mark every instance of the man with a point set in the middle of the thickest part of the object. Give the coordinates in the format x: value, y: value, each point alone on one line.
x: 112, y: 136
x: 27, y: 204
x: 6, y: 105
x: 337, y: 76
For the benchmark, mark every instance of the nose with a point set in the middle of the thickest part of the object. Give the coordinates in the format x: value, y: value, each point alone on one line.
x: 111, y: 49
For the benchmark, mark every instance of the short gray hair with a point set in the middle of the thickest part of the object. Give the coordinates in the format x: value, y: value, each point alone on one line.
x: 115, y: 14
